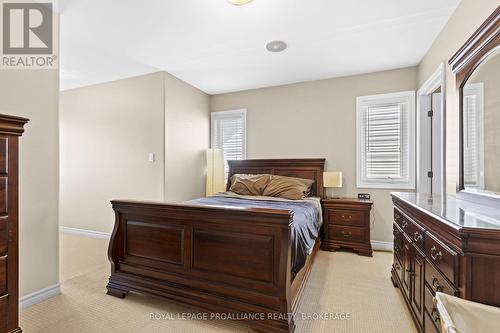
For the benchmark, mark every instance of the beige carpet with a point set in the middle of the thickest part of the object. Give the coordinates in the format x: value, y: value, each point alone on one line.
x: 339, y: 283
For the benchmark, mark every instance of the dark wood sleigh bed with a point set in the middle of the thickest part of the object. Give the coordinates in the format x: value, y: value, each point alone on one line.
x: 220, y: 259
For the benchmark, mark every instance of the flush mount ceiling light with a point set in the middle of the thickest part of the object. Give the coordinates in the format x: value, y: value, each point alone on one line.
x: 276, y: 46
x: 239, y: 2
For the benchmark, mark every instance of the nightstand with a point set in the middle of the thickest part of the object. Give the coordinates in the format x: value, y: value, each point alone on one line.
x: 346, y: 224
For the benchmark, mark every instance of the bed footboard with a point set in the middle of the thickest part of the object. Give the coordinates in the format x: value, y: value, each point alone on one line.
x: 223, y: 260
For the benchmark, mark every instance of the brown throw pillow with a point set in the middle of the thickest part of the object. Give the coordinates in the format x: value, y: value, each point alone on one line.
x: 288, y: 187
x: 249, y: 184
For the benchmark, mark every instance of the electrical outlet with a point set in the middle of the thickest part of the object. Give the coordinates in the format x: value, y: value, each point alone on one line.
x: 364, y: 196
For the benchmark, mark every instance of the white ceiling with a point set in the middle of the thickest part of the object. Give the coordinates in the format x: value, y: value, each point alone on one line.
x: 218, y: 47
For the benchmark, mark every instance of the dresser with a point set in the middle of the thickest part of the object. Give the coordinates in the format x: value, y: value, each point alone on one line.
x: 10, y: 130
x: 448, y: 245
x: 346, y: 224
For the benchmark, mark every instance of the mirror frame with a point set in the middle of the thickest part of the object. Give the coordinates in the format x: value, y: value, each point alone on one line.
x: 476, y: 49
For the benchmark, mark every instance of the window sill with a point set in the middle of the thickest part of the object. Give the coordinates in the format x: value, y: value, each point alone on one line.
x: 387, y: 186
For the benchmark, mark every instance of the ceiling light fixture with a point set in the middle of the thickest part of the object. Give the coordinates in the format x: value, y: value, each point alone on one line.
x: 276, y: 46
x: 239, y: 2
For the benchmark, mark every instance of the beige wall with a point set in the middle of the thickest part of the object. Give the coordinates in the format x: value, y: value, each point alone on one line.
x: 468, y: 16
x: 34, y: 94
x: 318, y: 119
x: 107, y: 131
x: 187, y: 127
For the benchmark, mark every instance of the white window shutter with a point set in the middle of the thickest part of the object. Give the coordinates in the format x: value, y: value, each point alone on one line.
x: 229, y: 134
x: 473, y: 136
x: 386, y: 141
x: 471, y: 176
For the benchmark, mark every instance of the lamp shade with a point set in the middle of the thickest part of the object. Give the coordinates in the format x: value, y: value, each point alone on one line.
x: 239, y: 2
x: 332, y: 179
x: 215, y: 172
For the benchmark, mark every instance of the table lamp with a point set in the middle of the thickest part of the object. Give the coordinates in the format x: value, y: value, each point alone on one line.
x: 215, y: 172
x: 332, y: 179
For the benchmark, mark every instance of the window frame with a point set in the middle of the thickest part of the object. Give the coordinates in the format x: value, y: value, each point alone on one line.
x: 216, y: 115
x: 362, y: 104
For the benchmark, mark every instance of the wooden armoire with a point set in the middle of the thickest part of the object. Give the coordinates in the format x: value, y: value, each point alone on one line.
x: 10, y: 129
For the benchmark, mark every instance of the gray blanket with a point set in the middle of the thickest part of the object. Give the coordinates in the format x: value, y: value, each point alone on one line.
x: 305, y: 226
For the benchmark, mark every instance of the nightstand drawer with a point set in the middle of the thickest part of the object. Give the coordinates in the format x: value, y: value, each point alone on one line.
x: 346, y: 218
x: 345, y: 233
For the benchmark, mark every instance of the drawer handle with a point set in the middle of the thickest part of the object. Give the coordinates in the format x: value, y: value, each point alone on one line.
x: 410, y: 272
x: 396, y: 266
x: 436, y: 285
x: 418, y: 236
x: 348, y: 217
x: 435, y: 254
x: 397, y: 250
x: 404, y: 225
x: 346, y: 234
x: 435, y: 315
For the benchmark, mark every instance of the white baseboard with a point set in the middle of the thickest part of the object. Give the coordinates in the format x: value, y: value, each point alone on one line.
x: 83, y: 232
x: 382, y: 246
x: 39, y: 296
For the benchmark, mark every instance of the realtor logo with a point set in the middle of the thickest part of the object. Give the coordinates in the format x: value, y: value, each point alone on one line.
x: 27, y: 34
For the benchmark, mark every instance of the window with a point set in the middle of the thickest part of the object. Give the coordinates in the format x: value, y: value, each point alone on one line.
x: 473, y: 135
x: 228, y: 132
x: 386, y: 141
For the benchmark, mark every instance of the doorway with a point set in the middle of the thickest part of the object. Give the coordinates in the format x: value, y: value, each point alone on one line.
x: 430, y: 134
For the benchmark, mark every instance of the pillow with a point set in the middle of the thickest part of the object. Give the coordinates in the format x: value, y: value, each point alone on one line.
x: 249, y: 184
x: 288, y: 187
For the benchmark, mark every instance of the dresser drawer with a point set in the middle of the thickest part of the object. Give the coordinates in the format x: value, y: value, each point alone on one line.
x: 398, y: 242
x: 398, y: 268
x: 3, y: 195
x: 430, y: 306
x: 4, y: 305
x: 432, y: 322
x: 3, y: 275
x: 437, y: 281
x: 4, y: 236
x: 350, y: 218
x: 3, y: 156
x: 345, y: 233
x: 417, y: 235
x: 401, y: 220
x: 440, y: 255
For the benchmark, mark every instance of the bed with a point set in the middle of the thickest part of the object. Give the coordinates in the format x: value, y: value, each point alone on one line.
x: 225, y: 259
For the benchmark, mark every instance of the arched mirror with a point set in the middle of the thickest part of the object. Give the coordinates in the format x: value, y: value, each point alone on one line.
x: 481, y: 126
x: 477, y: 69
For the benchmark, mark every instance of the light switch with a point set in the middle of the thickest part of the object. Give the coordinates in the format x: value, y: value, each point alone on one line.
x: 151, y: 157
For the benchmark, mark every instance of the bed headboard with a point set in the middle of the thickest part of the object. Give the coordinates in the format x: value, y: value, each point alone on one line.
x: 308, y: 168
